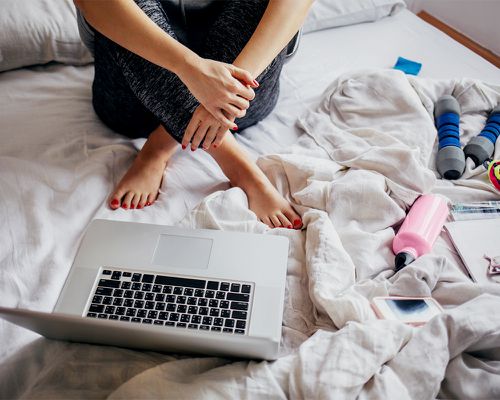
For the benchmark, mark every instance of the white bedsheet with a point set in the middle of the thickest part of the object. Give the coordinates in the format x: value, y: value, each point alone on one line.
x: 58, y: 164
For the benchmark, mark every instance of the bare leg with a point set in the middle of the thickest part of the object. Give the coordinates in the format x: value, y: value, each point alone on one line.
x: 263, y: 198
x: 139, y: 187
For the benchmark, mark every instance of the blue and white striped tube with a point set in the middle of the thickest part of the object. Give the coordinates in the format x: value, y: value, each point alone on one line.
x: 481, y: 148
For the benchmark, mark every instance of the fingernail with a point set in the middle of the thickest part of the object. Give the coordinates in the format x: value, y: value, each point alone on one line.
x: 124, y: 206
x: 256, y: 83
x: 115, y: 202
x: 235, y: 128
x: 183, y: 147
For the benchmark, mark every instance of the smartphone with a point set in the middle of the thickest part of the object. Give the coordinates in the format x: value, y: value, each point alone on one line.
x: 410, y: 310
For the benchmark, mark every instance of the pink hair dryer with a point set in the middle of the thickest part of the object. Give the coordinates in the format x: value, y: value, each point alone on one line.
x: 420, y: 229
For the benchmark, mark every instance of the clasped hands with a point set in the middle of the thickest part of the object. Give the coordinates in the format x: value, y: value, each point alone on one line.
x: 224, y: 92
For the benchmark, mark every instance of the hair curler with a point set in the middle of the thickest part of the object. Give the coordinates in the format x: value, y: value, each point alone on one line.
x: 450, y: 158
x: 481, y: 148
x: 420, y: 229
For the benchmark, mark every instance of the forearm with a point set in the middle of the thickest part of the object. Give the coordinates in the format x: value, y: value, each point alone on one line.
x: 280, y: 22
x: 131, y: 28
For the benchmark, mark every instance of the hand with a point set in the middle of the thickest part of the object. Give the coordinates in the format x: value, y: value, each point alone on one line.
x: 223, y: 89
x: 204, y: 126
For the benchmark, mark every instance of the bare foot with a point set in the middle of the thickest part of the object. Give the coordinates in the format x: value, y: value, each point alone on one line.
x: 140, y: 185
x: 263, y: 198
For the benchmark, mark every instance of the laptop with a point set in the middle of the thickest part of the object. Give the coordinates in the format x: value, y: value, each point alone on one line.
x: 170, y: 289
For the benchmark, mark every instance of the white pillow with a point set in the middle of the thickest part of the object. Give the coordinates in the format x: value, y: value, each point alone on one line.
x: 39, y: 31
x: 326, y: 14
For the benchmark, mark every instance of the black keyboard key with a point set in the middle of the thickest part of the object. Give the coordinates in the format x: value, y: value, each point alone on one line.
x: 193, y: 310
x: 204, y: 327
x: 236, y: 305
x: 124, y: 318
x: 127, y: 274
x: 229, y: 323
x: 136, y: 286
x: 118, y: 301
x: 206, y: 321
x: 192, y: 301
x: 240, y: 324
x: 216, y: 328
x: 224, y: 286
x: 214, y: 312
x: 114, y: 317
x: 239, y: 331
x: 174, y: 281
x: 97, y: 299
x: 106, y: 272
x: 218, y: 321
x: 163, y: 316
x: 157, y: 288
x: 246, y: 288
x: 170, y: 307
x: 185, y: 318
x: 120, y: 310
x: 158, y: 322
x: 180, y: 325
x: 178, y: 290
x: 213, y: 303
x: 195, y: 319
x: 139, y: 295
x: 146, y: 287
x: 203, y: 311
x: 128, y: 303
x: 139, y: 304
x: 96, y: 308
x: 109, y: 310
x: 235, y: 287
x: 167, y: 289
x: 103, y: 291
x: 202, y: 302
x: 102, y: 316
x: 213, y: 285
x: 220, y: 295
x: 160, y: 297
x: 227, y: 330
x: 116, y: 275
x: 193, y: 326
x: 118, y: 293
x: 126, y: 285
x: 199, y: 293
x: 147, y: 278
x: 147, y: 321
x: 239, y: 315
x: 224, y: 304
x: 149, y: 296
x: 131, y: 312
x: 225, y: 313
x: 170, y: 298
x: 160, y: 306
x: 153, y: 314
x: 209, y: 294
x: 174, y: 317
x: 135, y: 319
x: 109, y: 283
x: 136, y: 277
x: 181, y: 308
x: 150, y: 305
x: 169, y: 323
x: 128, y: 294
x: 188, y: 291
x: 181, y: 300
x: 107, y: 300
x: 238, y: 297
x: 142, y: 313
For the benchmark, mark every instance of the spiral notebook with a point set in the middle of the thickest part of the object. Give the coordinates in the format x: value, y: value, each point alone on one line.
x: 475, y: 239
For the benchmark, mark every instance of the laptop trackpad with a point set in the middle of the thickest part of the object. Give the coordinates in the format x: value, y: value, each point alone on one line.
x: 182, y: 252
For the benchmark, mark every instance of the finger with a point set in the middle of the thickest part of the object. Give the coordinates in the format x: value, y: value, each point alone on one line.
x: 243, y: 75
x: 210, y: 136
x: 221, y: 134
x: 245, y: 92
x: 224, y: 120
x: 234, y: 111
x: 199, y: 135
x: 240, y: 102
x: 190, y: 130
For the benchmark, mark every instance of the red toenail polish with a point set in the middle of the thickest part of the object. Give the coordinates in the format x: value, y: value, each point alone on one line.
x: 215, y: 146
x: 139, y: 206
x: 132, y: 206
x: 297, y: 222
x: 290, y: 227
x: 183, y: 147
x: 124, y: 206
x: 115, y: 202
x: 192, y: 149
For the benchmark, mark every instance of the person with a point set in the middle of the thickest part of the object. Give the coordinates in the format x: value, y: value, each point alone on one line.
x: 190, y: 72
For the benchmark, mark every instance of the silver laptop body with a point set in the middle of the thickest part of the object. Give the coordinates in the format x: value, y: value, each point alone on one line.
x: 167, y: 288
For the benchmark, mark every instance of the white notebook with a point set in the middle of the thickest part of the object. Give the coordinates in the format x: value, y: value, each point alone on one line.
x: 473, y: 240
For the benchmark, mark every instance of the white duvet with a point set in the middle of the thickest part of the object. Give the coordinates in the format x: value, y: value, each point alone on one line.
x: 366, y: 153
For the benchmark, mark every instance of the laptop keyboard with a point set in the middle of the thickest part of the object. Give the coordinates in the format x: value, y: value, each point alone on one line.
x: 165, y: 300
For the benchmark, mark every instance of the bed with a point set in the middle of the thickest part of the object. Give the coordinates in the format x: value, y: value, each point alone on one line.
x: 58, y: 163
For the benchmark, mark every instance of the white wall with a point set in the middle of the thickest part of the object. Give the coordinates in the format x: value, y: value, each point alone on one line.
x: 477, y: 19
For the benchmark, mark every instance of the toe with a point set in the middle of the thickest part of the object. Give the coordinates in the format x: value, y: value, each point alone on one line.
x: 127, y: 199
x: 284, y: 221
x: 275, y: 220
x: 135, y: 201
x: 142, y: 201
x: 294, y: 218
x: 151, y: 199
x: 267, y: 221
x: 115, y: 199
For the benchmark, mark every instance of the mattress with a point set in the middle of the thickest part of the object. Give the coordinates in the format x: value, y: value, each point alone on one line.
x: 58, y: 164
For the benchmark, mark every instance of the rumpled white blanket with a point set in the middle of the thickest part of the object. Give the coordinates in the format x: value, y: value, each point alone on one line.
x: 367, y: 152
